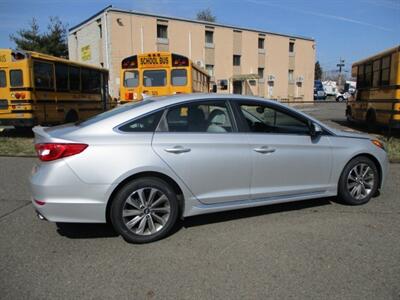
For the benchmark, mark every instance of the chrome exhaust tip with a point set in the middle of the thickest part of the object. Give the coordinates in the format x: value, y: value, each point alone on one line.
x: 40, y: 216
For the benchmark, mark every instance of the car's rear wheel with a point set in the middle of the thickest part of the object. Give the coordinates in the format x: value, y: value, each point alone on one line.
x: 144, y: 210
x: 359, y: 181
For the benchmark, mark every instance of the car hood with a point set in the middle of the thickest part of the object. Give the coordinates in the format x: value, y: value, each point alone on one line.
x: 350, y: 134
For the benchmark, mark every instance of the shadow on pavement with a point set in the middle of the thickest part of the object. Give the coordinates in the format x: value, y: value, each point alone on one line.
x: 89, y: 231
x: 85, y: 231
x: 255, y: 211
x: 364, y: 128
x: 17, y: 132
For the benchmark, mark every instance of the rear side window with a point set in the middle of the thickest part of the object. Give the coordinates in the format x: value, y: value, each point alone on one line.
x: 44, y: 75
x: 179, y: 77
x: 145, y: 124
x: 16, y: 78
x: 3, y: 82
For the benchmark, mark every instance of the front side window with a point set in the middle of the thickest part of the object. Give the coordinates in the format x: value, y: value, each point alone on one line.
x: 145, y: 124
x: 209, y: 117
x: 44, y: 76
x: 264, y: 119
x: 16, y: 78
x: 179, y: 77
x: 61, y: 77
x: 131, y: 78
x: 155, y: 78
x: 3, y: 82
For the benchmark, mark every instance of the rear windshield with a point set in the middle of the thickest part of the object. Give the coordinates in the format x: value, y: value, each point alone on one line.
x: 155, y: 78
x: 3, y: 82
x: 131, y: 79
x: 113, y: 112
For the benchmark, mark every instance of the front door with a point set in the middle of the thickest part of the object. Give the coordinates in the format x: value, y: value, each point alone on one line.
x: 200, y: 143
x: 237, y: 87
x: 286, y: 160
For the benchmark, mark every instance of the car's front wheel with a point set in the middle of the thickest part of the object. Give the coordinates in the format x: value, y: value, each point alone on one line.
x: 144, y: 210
x: 359, y: 181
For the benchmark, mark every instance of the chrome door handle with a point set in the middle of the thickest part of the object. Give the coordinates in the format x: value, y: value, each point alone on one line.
x: 177, y: 150
x: 264, y: 149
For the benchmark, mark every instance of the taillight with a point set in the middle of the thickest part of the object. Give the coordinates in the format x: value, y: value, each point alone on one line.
x: 53, y: 151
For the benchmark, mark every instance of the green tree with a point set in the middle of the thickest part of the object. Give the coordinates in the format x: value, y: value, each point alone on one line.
x: 53, y: 41
x: 318, y: 71
x: 206, y: 15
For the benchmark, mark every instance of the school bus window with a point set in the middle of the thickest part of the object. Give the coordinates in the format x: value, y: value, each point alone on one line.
x: 44, y: 76
x: 131, y: 78
x: 74, y: 79
x: 16, y: 78
x: 90, y: 81
x: 368, y: 75
x: 179, y: 77
x: 3, y: 82
x: 376, y: 73
x: 385, y: 70
x: 154, y: 78
x: 360, y: 76
x: 61, y: 77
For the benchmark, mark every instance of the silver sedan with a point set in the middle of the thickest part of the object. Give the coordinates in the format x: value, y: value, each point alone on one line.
x: 143, y: 165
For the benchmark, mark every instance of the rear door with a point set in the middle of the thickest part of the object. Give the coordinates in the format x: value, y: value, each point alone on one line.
x: 3, y: 90
x: 200, y: 143
x: 286, y: 160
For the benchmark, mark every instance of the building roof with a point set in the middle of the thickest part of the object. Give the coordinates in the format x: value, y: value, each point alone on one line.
x: 110, y: 8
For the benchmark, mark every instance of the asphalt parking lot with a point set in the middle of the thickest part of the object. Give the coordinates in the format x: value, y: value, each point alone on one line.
x: 309, y: 250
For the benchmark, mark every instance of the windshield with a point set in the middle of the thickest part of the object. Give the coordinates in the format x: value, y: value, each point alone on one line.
x: 113, y: 112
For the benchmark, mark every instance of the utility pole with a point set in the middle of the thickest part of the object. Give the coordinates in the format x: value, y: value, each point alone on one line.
x: 340, y: 65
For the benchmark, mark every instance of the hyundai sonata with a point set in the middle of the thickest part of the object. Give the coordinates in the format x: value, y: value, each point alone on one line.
x: 143, y: 165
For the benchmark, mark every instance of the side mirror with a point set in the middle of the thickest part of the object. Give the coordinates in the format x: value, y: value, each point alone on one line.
x: 315, y: 130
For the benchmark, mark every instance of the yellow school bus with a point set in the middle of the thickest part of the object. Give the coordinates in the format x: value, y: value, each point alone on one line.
x: 159, y: 74
x: 377, y: 100
x: 41, y: 89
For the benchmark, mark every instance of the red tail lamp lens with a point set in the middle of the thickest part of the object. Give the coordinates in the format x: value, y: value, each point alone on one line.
x: 48, y: 152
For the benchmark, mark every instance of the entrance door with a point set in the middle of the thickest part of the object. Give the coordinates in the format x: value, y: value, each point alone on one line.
x: 237, y: 87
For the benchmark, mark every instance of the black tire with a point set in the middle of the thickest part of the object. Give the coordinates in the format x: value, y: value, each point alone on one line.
x: 343, y: 188
x: 371, y: 120
x: 339, y: 99
x: 71, y: 117
x: 119, y: 203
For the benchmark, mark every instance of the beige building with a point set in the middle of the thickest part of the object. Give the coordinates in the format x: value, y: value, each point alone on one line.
x: 239, y: 60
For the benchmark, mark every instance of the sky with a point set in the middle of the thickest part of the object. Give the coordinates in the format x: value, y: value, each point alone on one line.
x: 347, y: 29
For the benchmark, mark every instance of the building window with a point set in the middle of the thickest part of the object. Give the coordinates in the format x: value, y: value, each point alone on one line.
x: 162, y: 31
x: 236, y: 60
x: 209, y: 38
x: 261, y: 73
x: 291, y: 47
x: 100, y: 31
x: 290, y: 76
x: 210, y: 69
x: 261, y: 43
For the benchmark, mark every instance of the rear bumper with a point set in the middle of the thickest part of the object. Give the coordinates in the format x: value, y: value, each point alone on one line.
x: 63, y: 197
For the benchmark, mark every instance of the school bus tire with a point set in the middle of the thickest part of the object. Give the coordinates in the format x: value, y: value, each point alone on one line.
x: 72, y: 116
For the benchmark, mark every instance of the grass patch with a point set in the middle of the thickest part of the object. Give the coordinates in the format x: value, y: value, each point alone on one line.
x: 16, y: 146
x: 393, y: 148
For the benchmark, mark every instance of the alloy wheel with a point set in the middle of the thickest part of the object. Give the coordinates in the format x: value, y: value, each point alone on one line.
x: 360, y: 181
